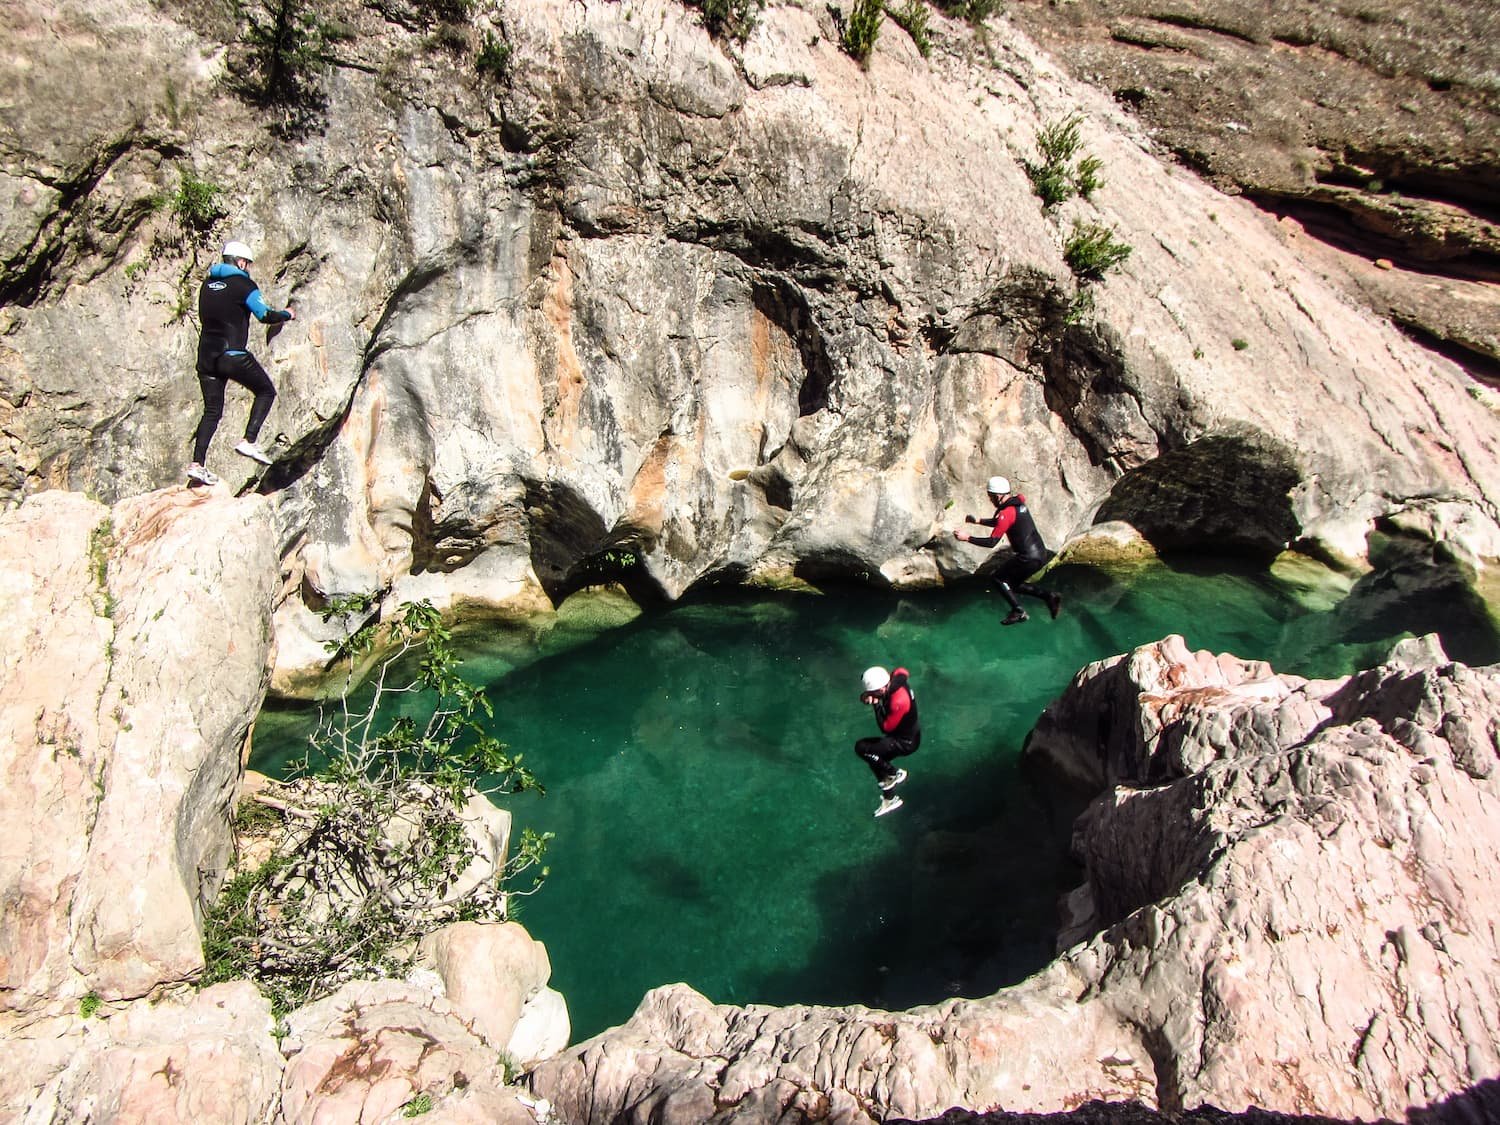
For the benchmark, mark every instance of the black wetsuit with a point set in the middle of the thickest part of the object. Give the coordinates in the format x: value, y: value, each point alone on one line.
x: 226, y: 300
x: 896, y: 715
x: 1012, y: 521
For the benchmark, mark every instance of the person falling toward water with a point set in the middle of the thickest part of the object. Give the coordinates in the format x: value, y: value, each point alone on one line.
x: 1012, y: 520
x: 226, y: 299
x: 890, y: 694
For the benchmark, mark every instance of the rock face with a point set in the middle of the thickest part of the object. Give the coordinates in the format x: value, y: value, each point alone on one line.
x: 1374, y: 126
x: 1286, y: 906
x: 138, y: 653
x: 681, y: 309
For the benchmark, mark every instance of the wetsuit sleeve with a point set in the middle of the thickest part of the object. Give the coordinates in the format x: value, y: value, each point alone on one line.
x: 1001, y: 523
x: 264, y: 312
x: 900, y: 704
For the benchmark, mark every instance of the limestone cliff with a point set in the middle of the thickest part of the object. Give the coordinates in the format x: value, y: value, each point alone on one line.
x: 691, y: 308
x: 138, y: 654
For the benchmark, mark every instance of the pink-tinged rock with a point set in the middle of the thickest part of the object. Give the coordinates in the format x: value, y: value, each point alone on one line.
x: 495, y: 976
x: 139, y: 640
x: 365, y: 1052
x: 189, y: 1060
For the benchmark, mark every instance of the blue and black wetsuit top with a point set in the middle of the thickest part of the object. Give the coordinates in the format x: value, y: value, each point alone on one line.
x: 225, y: 301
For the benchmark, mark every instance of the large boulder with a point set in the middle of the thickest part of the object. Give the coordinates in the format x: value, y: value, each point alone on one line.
x: 496, y: 977
x: 1286, y: 899
x: 191, y: 1059
x: 139, y: 652
x: 374, y: 1047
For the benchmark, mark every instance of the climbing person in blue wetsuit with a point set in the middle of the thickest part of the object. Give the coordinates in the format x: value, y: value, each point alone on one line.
x: 225, y: 301
x: 1012, y: 520
x: 890, y: 694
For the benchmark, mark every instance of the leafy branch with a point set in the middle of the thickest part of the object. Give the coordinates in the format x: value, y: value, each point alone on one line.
x: 387, y: 838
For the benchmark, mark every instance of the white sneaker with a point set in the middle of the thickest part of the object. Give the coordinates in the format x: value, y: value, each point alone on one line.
x: 891, y: 782
x: 196, y: 472
x: 253, y: 451
x: 889, y: 804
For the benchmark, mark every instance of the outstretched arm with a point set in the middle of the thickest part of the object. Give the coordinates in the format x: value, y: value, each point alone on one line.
x: 264, y: 312
x: 1001, y: 524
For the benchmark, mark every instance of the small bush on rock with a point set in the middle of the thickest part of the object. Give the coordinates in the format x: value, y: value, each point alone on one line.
x: 196, y: 203
x: 493, y: 59
x: 289, y: 51
x: 862, y: 29
x: 1055, y: 177
x: 730, y: 19
x: 379, y: 844
x: 1091, y: 250
x: 912, y: 19
x: 975, y: 11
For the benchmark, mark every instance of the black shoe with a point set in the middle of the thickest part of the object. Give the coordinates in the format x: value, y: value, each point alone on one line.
x: 1015, y: 617
x: 1054, y: 604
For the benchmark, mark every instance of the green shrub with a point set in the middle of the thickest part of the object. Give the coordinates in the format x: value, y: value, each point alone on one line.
x: 1059, y: 142
x: 288, y: 46
x: 862, y: 29
x: 1091, y: 250
x: 1239, y: 343
x: 1086, y: 176
x: 731, y: 19
x: 493, y: 59
x: 912, y: 19
x: 1057, y: 176
x: 975, y: 11
x: 368, y: 848
x: 196, y: 203
x: 419, y: 1105
x: 446, y: 11
x: 89, y: 1006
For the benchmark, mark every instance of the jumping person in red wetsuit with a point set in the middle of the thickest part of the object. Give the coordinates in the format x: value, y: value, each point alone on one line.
x: 889, y: 693
x: 1012, y: 520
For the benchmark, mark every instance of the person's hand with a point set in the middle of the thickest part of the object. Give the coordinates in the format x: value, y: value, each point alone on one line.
x: 960, y: 535
x: 291, y: 313
x: 970, y: 519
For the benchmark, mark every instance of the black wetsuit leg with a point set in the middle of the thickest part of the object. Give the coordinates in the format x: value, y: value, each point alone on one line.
x: 212, y: 387
x: 1010, y: 578
x: 878, y: 752
x: 241, y: 368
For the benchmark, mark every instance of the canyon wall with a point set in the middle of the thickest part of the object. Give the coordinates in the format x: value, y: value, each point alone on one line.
x: 678, y: 309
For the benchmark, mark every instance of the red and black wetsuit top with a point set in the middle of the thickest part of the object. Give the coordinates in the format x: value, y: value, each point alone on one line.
x: 896, y: 709
x: 1013, y: 520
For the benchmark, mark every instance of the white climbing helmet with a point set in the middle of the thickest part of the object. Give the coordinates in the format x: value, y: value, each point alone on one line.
x: 998, y: 485
x: 234, y: 250
x: 875, y: 679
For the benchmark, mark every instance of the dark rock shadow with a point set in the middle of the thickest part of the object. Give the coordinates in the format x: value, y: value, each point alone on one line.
x: 1478, y: 1105
x: 1223, y: 494
x: 966, y: 906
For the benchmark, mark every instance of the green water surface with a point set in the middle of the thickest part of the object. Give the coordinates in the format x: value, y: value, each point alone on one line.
x: 713, y: 825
